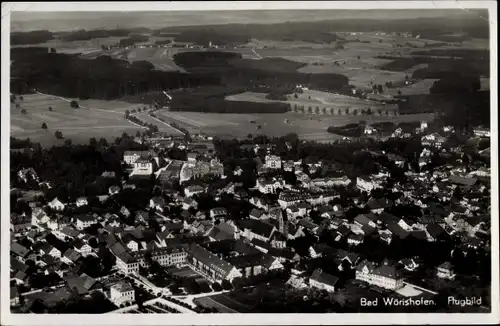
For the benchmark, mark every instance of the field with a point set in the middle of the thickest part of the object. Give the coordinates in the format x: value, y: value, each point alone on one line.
x: 95, y: 118
x: 306, y: 126
x: 317, y: 99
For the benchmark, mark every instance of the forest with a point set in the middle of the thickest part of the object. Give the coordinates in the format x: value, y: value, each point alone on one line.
x: 34, y: 37
x: 102, y: 78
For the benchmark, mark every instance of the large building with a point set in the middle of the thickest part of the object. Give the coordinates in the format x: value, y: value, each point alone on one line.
x: 273, y: 162
x: 211, y: 266
x: 384, y: 275
x: 122, y: 293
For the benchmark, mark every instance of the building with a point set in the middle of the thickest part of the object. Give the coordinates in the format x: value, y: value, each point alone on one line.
x: 193, y: 190
x: 142, y: 166
x: 385, y: 275
x: 445, y: 270
x: 81, y: 201
x: 273, y: 162
x: 433, y: 140
x: 84, y: 221
x: 482, y: 132
x: 267, y: 186
x: 211, y: 266
x: 126, y: 263
x: 369, y: 130
x: 130, y: 157
x: 288, y: 198
x: 323, y: 281
x: 19, y: 223
x: 121, y: 293
x: 366, y: 184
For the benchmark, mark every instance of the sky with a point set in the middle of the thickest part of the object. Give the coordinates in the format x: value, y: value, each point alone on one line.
x: 64, y: 21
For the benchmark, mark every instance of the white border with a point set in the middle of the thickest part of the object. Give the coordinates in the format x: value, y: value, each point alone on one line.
x: 247, y: 319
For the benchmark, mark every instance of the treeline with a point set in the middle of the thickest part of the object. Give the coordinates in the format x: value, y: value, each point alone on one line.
x: 34, y: 37
x: 133, y: 40
x: 84, y: 35
x: 102, y: 78
x: 474, y: 54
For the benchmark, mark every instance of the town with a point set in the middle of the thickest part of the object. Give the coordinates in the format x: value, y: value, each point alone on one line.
x: 200, y: 224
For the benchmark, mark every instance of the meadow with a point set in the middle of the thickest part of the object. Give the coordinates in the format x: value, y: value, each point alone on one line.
x: 94, y: 118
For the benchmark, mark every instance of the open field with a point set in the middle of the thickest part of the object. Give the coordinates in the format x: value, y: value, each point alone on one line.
x: 95, y: 118
x: 306, y: 126
x: 316, y: 99
x: 222, y: 302
x: 162, y: 127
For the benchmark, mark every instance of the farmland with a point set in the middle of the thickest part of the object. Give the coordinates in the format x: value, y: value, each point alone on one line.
x: 306, y: 126
x: 318, y: 102
x: 94, y: 118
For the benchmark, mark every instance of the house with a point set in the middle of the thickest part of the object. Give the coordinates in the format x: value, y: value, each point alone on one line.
x: 257, y: 229
x: 66, y: 233
x: 130, y: 157
x: 465, y: 183
x: 82, y: 248
x: 56, y: 205
x: 482, y: 132
x: 126, y: 263
x: 270, y: 186
x: 297, y: 282
x: 278, y: 240
x: 355, y: 239
x: 409, y: 264
x: 83, y: 284
x: 143, y: 166
x: 369, y: 130
x: 323, y: 281
x: 365, y: 219
x: 257, y: 214
x: 188, y: 203
x: 384, y: 275
x: 121, y: 293
x: 433, y: 140
x: 192, y: 190
x: 211, y: 266
x: 157, y: 203
x: 377, y: 205
x: 70, y: 257
x: 218, y: 212
x: 19, y: 223
x: 27, y: 175
x: 84, y: 221
x: 288, y: 198
x: 366, y: 183
x: 113, y: 190
x: 273, y: 162
x: 20, y: 278
x: 81, y: 201
x: 248, y: 264
x: 445, y: 270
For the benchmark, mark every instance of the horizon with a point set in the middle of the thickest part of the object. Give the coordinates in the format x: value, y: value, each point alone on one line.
x: 25, y: 21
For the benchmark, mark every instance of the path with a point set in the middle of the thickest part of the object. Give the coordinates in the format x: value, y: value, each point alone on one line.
x: 254, y: 52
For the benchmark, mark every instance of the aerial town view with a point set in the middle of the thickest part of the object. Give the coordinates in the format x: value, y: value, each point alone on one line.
x: 273, y: 162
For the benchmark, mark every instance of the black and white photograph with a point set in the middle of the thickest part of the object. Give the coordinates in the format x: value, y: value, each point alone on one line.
x: 296, y: 163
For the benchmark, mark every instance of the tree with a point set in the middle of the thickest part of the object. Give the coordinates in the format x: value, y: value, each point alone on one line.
x: 44, y: 126
x: 310, y: 110
x: 18, y: 105
x: 74, y: 104
x: 295, y: 95
x: 58, y: 134
x: 93, y: 142
x: 127, y: 114
x: 316, y: 110
x: 324, y: 110
x: 23, y: 111
x: 68, y: 142
x: 355, y: 112
x: 50, y: 108
x: 21, y: 98
x: 399, y: 92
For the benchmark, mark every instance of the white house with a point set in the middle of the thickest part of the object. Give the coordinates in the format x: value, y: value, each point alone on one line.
x: 445, y: 270
x: 122, y: 293
x: 192, y: 190
x: 142, y: 166
x: 482, y: 132
x: 56, y: 205
x: 366, y: 184
x: 84, y: 221
x: 130, y: 157
x: 273, y: 162
x: 81, y: 201
x: 384, y: 275
x: 369, y: 130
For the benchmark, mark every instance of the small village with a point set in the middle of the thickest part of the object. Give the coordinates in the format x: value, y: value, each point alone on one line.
x: 204, y: 225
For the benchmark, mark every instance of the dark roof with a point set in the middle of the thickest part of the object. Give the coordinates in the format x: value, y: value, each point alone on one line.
x: 377, y: 203
x: 259, y: 227
x: 419, y: 234
x: 397, y: 230
x: 209, y: 259
x: 325, y: 278
x: 463, y: 181
x: 243, y: 261
x: 387, y: 270
x: 19, y: 249
x: 435, y: 230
